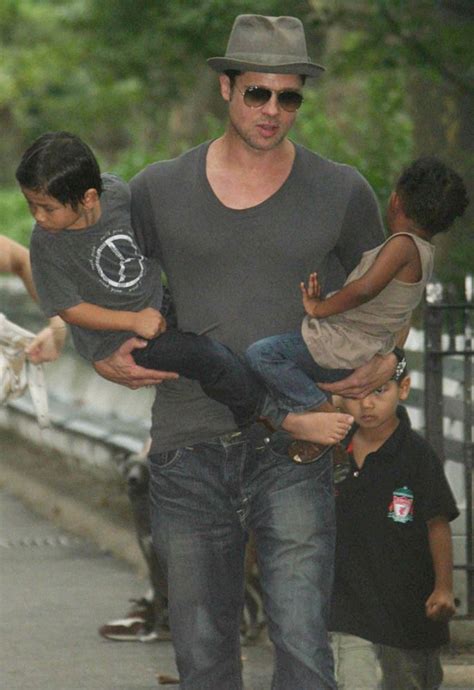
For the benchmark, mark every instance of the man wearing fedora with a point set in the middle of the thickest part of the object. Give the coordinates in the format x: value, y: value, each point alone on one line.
x: 236, y: 224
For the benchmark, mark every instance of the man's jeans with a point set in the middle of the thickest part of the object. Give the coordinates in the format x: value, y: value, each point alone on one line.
x: 222, y: 374
x: 204, y: 500
x: 289, y: 371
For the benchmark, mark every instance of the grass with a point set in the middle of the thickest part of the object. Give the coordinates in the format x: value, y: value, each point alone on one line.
x: 16, y: 221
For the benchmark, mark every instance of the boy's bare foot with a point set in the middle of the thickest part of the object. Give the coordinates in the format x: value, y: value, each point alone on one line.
x: 326, y: 428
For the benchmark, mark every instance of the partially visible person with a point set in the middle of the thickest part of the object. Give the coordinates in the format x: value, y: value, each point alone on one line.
x: 393, y: 589
x: 345, y: 329
x: 48, y: 343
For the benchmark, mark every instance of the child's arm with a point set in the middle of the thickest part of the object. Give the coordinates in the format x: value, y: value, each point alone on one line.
x: 394, y: 256
x: 440, y: 604
x: 147, y: 323
x: 48, y: 343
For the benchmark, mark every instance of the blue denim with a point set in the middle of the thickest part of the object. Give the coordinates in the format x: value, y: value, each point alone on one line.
x: 286, y: 366
x: 222, y: 374
x: 205, y: 498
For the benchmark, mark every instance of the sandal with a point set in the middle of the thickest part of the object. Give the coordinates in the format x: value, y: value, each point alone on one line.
x: 305, y: 452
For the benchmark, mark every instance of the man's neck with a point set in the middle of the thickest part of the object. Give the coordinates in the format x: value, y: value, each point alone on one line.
x: 241, y: 176
x: 236, y: 154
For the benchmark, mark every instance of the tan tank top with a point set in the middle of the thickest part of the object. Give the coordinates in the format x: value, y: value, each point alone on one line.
x: 352, y: 338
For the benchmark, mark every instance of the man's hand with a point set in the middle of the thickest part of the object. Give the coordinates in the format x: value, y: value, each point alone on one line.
x: 440, y: 605
x: 365, y: 379
x: 120, y: 368
x: 311, y: 294
x: 47, y: 345
x: 149, y: 323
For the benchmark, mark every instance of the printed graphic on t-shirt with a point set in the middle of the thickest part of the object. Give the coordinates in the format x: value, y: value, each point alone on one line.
x: 119, y: 262
x: 401, y: 506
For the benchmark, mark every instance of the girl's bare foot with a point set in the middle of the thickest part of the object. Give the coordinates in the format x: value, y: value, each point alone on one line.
x: 327, y: 428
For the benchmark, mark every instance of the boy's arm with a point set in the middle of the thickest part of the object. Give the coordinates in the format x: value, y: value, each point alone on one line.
x: 395, y: 255
x: 147, y: 323
x: 440, y: 604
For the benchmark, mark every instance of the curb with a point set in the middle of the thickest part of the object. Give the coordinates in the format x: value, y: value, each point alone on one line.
x: 74, y: 517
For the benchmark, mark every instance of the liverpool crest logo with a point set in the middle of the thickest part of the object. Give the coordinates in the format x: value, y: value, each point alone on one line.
x: 401, y: 506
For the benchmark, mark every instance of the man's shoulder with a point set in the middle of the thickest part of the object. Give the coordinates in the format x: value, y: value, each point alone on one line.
x: 312, y: 158
x: 182, y: 165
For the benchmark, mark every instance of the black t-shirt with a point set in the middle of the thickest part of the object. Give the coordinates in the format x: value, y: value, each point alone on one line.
x: 384, y: 570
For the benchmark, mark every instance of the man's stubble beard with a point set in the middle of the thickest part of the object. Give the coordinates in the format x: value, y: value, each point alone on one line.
x: 257, y: 146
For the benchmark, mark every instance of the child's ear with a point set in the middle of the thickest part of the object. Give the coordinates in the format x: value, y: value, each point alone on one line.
x: 90, y: 198
x: 404, y: 388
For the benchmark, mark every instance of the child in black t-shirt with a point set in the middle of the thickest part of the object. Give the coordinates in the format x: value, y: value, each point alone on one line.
x: 393, y: 592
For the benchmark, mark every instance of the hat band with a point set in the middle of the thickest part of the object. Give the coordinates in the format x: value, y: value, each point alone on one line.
x: 271, y: 58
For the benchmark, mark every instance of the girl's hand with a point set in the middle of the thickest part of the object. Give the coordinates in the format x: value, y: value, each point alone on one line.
x: 148, y: 323
x: 311, y: 295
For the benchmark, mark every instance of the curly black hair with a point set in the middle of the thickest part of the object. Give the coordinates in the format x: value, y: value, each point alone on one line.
x: 432, y: 194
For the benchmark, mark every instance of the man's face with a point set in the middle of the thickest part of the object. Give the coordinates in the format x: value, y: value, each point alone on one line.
x: 379, y: 407
x: 265, y: 127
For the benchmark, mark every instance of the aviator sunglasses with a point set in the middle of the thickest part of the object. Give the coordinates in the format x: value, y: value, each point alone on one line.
x: 257, y: 96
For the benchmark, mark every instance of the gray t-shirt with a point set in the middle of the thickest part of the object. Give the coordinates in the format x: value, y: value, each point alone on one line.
x: 242, y: 268
x: 101, y: 265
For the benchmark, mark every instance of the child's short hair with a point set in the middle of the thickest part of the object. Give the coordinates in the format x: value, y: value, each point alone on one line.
x: 60, y: 165
x: 431, y: 194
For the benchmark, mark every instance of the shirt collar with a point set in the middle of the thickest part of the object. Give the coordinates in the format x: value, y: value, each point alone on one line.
x: 391, y: 445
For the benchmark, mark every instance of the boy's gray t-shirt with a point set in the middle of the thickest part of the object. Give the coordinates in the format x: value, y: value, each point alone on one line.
x: 241, y: 269
x: 101, y: 264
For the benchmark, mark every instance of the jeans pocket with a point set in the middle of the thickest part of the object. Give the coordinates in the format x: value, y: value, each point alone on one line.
x: 165, y: 459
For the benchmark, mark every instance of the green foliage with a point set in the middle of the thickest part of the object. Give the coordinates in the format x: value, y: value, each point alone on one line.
x: 362, y: 122
x: 16, y: 219
x: 129, y: 76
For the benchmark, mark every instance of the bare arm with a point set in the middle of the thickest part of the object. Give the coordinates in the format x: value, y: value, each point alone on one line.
x: 120, y: 367
x: 14, y: 258
x: 47, y: 345
x: 394, y: 256
x: 147, y: 323
x: 440, y: 604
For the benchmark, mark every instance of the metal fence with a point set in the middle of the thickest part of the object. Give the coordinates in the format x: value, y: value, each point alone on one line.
x: 448, y: 341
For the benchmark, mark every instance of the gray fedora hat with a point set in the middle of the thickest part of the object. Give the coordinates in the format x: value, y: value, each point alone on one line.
x: 266, y: 44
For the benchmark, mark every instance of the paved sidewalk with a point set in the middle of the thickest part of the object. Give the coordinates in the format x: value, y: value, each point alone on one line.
x: 56, y: 590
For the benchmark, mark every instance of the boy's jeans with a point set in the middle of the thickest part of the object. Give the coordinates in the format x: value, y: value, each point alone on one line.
x: 204, y: 499
x: 223, y: 375
x: 289, y: 371
x: 283, y: 363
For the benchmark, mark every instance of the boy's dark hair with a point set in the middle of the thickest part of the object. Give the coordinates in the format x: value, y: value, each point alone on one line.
x: 431, y: 194
x: 60, y: 165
